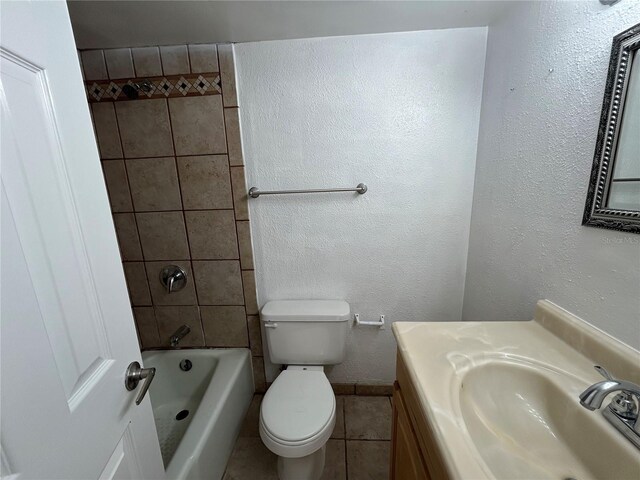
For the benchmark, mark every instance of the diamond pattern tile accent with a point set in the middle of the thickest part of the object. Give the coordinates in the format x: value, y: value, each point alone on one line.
x: 113, y: 90
x: 196, y: 84
x: 165, y: 87
x: 96, y: 91
x: 201, y: 84
x: 183, y: 85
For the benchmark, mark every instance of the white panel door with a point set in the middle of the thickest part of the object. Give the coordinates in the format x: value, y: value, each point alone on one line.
x: 67, y: 332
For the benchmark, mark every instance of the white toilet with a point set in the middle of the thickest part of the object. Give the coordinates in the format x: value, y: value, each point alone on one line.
x: 298, y: 411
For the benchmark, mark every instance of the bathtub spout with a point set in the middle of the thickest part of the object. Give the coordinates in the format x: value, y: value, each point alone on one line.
x: 179, y: 335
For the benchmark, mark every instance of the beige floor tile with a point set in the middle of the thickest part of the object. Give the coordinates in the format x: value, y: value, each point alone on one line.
x: 252, y: 419
x: 368, y: 460
x: 251, y: 460
x: 338, y: 431
x: 367, y: 418
x: 335, y: 467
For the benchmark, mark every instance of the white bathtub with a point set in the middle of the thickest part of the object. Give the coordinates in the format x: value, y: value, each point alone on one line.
x: 216, y: 393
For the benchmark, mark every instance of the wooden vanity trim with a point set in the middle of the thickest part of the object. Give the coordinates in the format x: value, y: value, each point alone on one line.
x: 406, y: 399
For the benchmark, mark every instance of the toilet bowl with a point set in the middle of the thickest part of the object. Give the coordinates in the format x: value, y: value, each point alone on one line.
x: 298, y: 412
x: 297, y: 416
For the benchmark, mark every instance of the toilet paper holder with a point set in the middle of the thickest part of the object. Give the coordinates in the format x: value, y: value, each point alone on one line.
x: 379, y: 324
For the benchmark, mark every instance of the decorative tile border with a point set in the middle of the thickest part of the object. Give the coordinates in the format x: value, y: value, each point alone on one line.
x: 194, y: 84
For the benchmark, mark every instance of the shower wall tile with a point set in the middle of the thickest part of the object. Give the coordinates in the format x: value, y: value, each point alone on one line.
x: 159, y: 295
x: 224, y: 326
x: 171, y: 319
x: 144, y: 128
x: 137, y: 283
x: 106, y: 125
x: 119, y: 63
x: 255, y: 335
x: 249, y: 285
x: 244, y: 244
x: 175, y: 60
x: 205, y: 182
x: 198, y: 125
x: 212, y: 234
x: 234, y: 142
x: 218, y: 282
x: 147, y: 327
x: 146, y: 61
x: 163, y: 235
x: 93, y: 65
x: 115, y: 177
x: 203, y: 58
x: 228, y: 75
x: 259, y: 380
x: 174, y: 171
x: 154, y: 184
x: 240, y: 198
x: 128, y: 239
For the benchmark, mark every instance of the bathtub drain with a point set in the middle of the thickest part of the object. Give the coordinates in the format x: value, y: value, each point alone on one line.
x: 182, y: 414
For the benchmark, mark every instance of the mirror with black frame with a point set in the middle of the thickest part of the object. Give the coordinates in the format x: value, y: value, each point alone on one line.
x: 613, y: 199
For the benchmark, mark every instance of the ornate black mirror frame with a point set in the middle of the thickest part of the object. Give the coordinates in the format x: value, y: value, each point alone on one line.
x: 596, y: 213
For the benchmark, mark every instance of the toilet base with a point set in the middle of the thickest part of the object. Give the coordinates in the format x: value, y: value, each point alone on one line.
x: 309, y: 467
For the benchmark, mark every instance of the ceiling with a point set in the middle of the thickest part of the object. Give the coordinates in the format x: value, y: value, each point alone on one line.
x: 110, y: 24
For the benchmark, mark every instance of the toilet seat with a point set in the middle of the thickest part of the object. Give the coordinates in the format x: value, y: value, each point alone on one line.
x: 298, y: 412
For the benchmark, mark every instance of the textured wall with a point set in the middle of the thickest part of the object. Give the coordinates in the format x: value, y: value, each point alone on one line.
x: 399, y: 112
x: 537, y: 137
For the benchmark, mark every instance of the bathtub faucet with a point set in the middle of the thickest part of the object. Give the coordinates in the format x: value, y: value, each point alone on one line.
x: 179, y: 335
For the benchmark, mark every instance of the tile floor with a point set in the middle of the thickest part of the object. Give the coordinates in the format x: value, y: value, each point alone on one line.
x: 357, y: 450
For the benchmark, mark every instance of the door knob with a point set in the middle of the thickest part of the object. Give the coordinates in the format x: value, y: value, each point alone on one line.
x: 134, y: 374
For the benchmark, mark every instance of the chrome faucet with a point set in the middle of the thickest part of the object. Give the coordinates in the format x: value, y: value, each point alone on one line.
x: 622, y: 412
x: 179, y: 335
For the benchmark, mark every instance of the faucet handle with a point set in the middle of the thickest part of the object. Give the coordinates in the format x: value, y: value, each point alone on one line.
x: 603, y: 371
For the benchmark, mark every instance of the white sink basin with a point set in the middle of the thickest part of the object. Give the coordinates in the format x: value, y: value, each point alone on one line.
x: 526, y: 424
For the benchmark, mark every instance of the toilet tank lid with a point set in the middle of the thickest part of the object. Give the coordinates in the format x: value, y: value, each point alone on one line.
x: 306, y: 311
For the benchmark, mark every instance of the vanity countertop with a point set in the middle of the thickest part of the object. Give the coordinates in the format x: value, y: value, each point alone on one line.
x: 438, y: 355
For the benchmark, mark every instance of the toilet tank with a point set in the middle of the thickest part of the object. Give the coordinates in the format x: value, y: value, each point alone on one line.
x: 306, y: 332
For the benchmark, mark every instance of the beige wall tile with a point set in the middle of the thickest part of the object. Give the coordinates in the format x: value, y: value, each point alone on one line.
x: 240, y: 197
x: 249, y: 283
x: 146, y: 61
x: 228, y: 75
x: 175, y: 60
x: 205, y: 182
x: 224, y: 326
x: 244, y: 242
x: 154, y: 184
x: 171, y: 319
x: 258, y: 374
x: 204, y: 58
x: 186, y: 296
x: 145, y: 318
x: 234, y: 141
x: 128, y: 239
x: 198, y: 125
x: 119, y: 63
x: 212, y: 234
x: 218, y: 282
x: 144, y: 128
x: 115, y: 176
x: 255, y: 335
x: 93, y: 65
x: 163, y: 235
x: 137, y: 283
x: 104, y: 120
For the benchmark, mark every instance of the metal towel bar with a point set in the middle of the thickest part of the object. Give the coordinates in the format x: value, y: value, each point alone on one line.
x: 361, y: 188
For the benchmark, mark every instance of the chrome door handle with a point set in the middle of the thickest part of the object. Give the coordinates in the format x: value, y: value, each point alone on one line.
x: 134, y: 374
